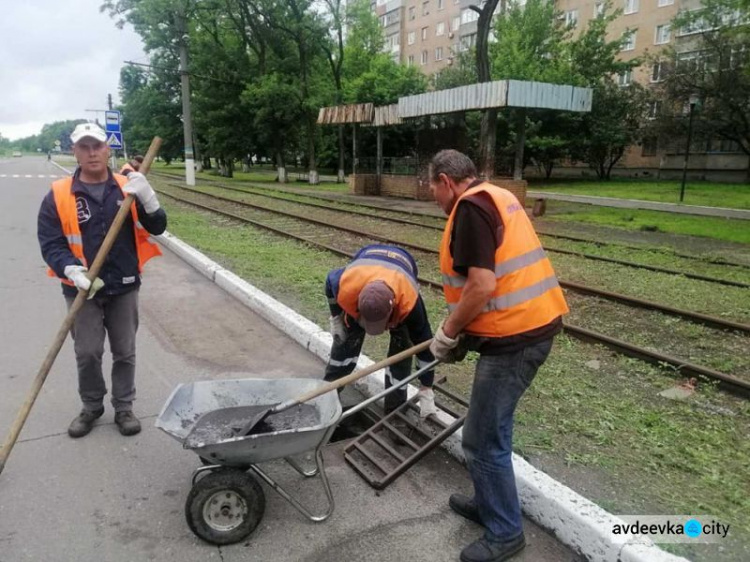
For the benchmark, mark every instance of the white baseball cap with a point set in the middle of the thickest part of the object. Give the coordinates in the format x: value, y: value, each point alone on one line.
x: 88, y: 130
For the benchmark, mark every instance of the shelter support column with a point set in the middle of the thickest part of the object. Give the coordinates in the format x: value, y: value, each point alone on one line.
x: 520, y: 142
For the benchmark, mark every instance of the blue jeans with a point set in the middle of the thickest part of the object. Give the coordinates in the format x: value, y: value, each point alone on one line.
x: 499, y: 383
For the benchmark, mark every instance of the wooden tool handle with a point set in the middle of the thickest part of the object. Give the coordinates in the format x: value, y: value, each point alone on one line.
x: 67, y: 324
x: 353, y: 377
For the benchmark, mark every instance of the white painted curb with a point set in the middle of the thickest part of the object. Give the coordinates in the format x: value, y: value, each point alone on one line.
x: 574, y: 520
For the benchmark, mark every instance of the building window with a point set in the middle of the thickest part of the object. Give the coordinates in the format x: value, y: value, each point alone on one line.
x: 426, y: 8
x: 411, y: 60
x: 439, y: 53
x: 571, y: 18
x: 598, y: 9
x: 468, y: 16
x: 663, y: 3
x: 624, y: 78
x: 628, y: 41
x: 441, y: 4
x: 650, y: 145
x: 412, y: 12
x: 654, y: 108
x: 656, y: 71
x: 467, y: 42
x: 456, y: 23
x: 631, y: 6
x: 411, y: 37
x: 425, y: 30
x: 440, y: 29
x: 424, y: 57
x: 662, y: 34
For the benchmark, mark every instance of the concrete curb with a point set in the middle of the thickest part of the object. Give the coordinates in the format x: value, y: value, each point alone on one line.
x: 616, y: 202
x: 574, y: 520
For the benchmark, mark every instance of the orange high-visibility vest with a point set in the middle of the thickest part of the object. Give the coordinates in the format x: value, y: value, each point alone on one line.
x: 362, y: 271
x: 527, y: 294
x: 65, y: 200
x: 127, y: 168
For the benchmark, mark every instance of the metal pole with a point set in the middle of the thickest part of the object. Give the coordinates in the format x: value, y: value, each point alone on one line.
x: 112, y: 155
x: 379, y: 157
x: 354, y: 149
x: 520, y: 142
x: 187, y: 121
x: 687, y: 152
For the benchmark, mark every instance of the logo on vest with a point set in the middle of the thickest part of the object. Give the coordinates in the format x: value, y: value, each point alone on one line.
x: 82, y: 208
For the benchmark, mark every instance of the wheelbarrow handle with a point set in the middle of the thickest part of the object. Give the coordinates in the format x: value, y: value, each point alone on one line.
x: 392, y: 360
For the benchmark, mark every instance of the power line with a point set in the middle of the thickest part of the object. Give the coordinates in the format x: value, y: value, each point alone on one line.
x: 188, y: 73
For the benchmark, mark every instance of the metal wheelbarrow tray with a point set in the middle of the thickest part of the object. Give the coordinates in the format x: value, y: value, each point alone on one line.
x: 227, y: 503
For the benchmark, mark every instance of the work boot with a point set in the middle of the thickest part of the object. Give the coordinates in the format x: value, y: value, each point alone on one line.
x: 84, y: 422
x: 127, y: 422
x: 465, y: 507
x: 485, y: 550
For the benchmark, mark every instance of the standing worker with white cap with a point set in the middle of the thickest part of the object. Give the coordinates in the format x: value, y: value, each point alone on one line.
x: 73, y: 221
x: 379, y: 291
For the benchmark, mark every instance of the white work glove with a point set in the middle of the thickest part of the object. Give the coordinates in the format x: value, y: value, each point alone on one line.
x: 338, y: 329
x: 77, y: 274
x: 138, y: 185
x: 442, y: 347
x: 426, y: 400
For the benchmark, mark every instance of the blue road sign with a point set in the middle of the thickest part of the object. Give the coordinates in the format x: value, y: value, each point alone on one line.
x: 114, y: 139
x: 112, y: 120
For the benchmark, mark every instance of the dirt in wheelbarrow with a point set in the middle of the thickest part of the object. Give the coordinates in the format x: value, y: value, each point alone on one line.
x: 218, y: 425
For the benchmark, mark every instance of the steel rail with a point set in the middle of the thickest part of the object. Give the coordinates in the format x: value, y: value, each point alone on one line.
x: 547, y: 247
x: 729, y: 382
x: 711, y: 321
x: 430, y: 216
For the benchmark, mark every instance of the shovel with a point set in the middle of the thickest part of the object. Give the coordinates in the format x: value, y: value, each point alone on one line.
x: 247, y: 429
x: 79, y: 301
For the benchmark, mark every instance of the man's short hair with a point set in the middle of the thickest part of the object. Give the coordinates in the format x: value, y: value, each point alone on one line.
x: 454, y: 164
x: 138, y: 159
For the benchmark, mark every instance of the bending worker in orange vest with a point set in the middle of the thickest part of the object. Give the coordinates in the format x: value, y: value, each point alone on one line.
x: 73, y: 221
x: 504, y: 302
x: 379, y: 291
x: 133, y: 165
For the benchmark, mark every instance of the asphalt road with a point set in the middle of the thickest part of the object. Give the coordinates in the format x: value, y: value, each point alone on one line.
x: 110, y: 498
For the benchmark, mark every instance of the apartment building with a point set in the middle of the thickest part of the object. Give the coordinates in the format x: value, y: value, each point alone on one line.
x: 430, y: 33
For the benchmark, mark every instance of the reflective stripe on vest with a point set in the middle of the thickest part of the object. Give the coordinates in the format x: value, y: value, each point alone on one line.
x: 362, y: 271
x: 527, y: 294
x: 65, y: 201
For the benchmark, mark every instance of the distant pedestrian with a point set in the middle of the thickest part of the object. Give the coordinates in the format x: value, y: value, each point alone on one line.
x: 504, y: 302
x: 133, y: 165
x: 379, y: 291
x: 73, y: 220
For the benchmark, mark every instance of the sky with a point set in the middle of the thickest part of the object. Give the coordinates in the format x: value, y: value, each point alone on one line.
x: 58, y: 58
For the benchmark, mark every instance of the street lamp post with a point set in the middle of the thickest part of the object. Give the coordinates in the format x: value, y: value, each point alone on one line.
x: 693, y: 102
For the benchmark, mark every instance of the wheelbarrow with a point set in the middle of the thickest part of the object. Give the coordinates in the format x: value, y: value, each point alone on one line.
x: 226, y: 502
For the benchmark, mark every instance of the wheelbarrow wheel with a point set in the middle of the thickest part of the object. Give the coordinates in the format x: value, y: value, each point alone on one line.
x: 224, y: 507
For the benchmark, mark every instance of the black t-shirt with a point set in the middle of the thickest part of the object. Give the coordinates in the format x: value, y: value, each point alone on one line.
x: 476, y: 235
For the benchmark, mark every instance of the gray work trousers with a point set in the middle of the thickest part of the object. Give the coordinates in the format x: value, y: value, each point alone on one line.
x: 117, y: 316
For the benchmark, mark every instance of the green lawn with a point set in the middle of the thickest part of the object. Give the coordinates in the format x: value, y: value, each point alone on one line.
x: 732, y: 230
x: 258, y: 175
x: 736, y: 196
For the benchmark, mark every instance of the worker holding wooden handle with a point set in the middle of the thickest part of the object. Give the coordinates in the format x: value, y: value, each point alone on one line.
x: 73, y: 220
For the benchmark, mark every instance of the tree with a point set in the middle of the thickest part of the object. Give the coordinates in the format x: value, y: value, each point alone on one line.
x: 715, y: 70
x: 489, y: 116
x: 615, y: 123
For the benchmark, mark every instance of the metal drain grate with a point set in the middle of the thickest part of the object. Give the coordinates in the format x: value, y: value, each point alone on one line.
x: 399, y: 440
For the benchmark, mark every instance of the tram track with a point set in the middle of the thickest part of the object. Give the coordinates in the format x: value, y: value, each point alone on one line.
x: 707, y: 320
x: 272, y: 193
x: 302, y: 231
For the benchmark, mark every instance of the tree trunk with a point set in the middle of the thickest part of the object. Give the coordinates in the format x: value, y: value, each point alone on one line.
x: 488, y: 142
x: 340, y: 177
